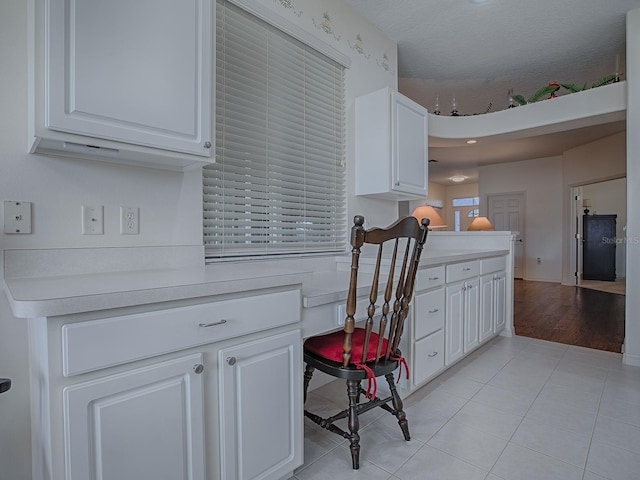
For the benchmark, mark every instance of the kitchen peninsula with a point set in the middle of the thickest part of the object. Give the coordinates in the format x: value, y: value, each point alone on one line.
x: 117, y: 344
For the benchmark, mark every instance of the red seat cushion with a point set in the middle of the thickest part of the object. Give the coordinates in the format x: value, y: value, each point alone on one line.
x: 330, y: 346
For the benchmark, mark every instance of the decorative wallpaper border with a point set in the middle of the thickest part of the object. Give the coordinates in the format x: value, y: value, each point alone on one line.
x: 324, y: 24
x: 288, y: 4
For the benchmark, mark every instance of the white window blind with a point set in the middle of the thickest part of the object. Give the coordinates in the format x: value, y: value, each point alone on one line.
x: 278, y: 184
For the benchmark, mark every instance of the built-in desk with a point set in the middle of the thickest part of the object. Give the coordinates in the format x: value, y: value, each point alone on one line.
x: 117, y: 343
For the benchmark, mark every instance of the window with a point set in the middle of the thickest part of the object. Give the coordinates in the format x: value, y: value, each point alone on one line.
x: 278, y: 184
x: 465, y: 202
x: 464, y: 206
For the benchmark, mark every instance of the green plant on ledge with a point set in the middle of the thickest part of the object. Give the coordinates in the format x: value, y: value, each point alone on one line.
x: 549, y: 91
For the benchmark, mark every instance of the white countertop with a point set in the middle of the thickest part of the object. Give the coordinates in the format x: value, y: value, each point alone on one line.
x: 76, y: 291
x: 63, y: 295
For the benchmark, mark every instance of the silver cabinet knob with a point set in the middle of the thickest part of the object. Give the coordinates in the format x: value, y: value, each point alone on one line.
x: 198, y: 368
x: 231, y: 360
x: 207, y: 144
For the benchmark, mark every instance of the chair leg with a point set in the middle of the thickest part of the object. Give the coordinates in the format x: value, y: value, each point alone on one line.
x: 353, y: 391
x: 308, y: 373
x: 398, y: 407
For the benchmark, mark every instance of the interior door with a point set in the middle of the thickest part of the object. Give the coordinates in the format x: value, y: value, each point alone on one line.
x: 599, y: 247
x: 506, y: 212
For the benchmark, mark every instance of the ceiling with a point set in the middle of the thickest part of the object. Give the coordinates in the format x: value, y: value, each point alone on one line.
x: 477, y: 52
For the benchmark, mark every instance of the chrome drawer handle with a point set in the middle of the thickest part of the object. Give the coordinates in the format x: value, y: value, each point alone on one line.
x: 213, y: 324
x: 432, y: 355
x: 468, y: 269
x: 434, y: 310
x: 434, y: 278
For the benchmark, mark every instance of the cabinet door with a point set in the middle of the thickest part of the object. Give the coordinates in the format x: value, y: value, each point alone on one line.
x: 145, y: 423
x: 471, y: 296
x: 500, y: 301
x: 136, y: 71
x: 261, y: 407
x: 486, y: 313
x: 454, y: 326
x: 409, y: 146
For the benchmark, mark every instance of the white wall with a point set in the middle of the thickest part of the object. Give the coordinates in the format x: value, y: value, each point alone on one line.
x: 541, y: 182
x: 547, y: 185
x: 170, y: 203
x: 632, y: 315
x: 437, y: 196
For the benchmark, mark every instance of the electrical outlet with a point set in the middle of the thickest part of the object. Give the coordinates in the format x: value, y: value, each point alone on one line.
x: 17, y: 217
x: 129, y: 220
x: 92, y: 220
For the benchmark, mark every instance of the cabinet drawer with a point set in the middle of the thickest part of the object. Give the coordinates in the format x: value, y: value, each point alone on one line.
x: 490, y: 265
x: 460, y: 271
x: 429, y: 278
x: 429, y: 357
x: 428, y: 313
x: 91, y: 345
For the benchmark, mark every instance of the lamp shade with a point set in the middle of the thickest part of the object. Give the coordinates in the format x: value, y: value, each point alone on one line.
x: 427, y: 211
x: 480, y: 223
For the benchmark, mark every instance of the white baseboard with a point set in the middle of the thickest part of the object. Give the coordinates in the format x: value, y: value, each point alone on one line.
x: 629, y: 359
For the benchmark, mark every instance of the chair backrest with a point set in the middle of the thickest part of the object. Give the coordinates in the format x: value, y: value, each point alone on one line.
x: 404, y: 241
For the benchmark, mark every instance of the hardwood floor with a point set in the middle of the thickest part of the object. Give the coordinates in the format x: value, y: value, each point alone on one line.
x: 570, y: 315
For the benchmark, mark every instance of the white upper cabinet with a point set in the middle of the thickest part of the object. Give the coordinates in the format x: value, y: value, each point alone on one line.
x: 124, y: 80
x: 391, y: 146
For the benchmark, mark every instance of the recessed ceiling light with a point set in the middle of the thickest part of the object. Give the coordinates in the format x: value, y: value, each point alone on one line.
x: 472, y: 141
x: 478, y: 1
x: 457, y: 178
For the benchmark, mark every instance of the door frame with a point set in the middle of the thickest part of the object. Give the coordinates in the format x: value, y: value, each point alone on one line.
x: 575, y: 249
x: 575, y: 225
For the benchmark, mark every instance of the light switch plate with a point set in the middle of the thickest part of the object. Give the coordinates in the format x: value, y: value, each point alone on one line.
x: 17, y: 217
x: 92, y: 219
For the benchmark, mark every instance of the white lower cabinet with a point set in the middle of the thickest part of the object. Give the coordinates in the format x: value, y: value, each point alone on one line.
x: 461, y: 324
x: 500, y: 299
x: 427, y: 326
x: 457, y: 307
x: 261, y: 407
x: 471, y: 317
x: 487, y: 294
x: 205, y: 391
x: 492, y: 304
x: 493, y: 296
x: 143, y: 423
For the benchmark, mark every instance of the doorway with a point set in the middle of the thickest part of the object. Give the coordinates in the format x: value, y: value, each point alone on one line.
x: 608, y: 197
x: 507, y: 212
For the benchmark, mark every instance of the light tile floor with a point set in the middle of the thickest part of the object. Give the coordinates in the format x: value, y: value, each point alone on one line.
x: 515, y: 409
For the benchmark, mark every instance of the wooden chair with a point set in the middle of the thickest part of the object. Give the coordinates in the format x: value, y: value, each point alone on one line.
x: 342, y: 354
